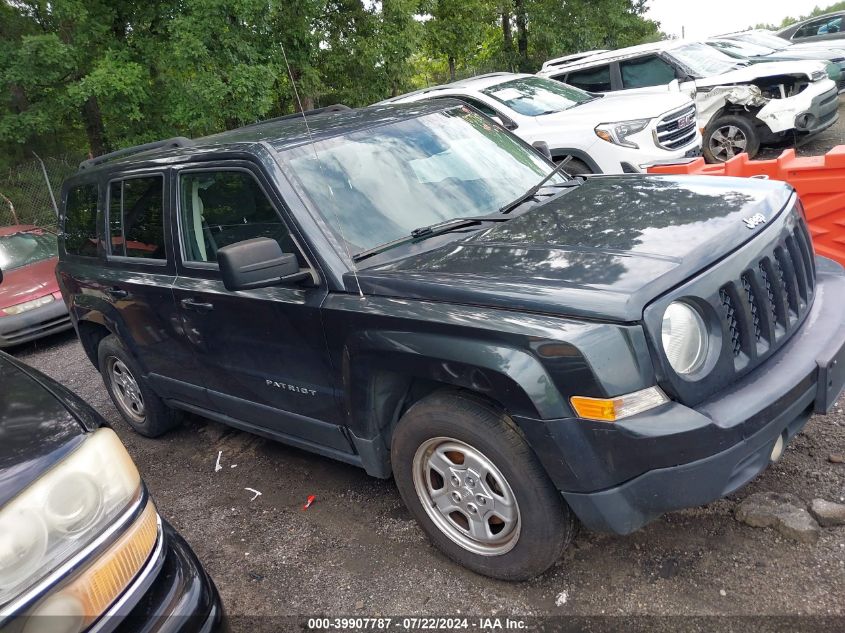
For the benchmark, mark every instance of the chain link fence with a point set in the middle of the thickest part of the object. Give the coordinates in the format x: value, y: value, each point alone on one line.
x: 24, y: 194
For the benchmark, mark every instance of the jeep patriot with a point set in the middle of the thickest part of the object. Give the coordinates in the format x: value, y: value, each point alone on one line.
x: 414, y: 290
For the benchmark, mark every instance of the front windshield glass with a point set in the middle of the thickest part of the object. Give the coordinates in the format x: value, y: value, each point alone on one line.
x: 701, y: 60
x: 763, y: 39
x: 379, y: 184
x: 27, y: 247
x: 533, y: 96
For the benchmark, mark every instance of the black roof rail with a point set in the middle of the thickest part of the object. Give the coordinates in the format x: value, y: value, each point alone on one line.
x: 337, y: 107
x: 176, y: 141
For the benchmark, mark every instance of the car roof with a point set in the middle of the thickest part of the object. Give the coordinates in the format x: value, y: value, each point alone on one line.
x: 280, y: 134
x: 559, y: 61
x: 16, y: 228
x: 479, y: 82
x: 619, y: 53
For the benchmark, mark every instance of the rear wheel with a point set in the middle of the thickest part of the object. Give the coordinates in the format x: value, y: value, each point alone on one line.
x: 142, y: 409
x: 476, y: 488
x: 729, y: 136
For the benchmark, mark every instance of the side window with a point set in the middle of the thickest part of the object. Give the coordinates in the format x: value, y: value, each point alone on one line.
x: 80, y: 230
x: 591, y: 79
x: 136, y: 217
x: 821, y: 26
x: 646, y: 71
x: 218, y: 208
x: 481, y: 107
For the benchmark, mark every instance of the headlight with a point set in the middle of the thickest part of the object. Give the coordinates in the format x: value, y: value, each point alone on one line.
x: 63, y: 511
x: 28, y: 305
x: 618, y: 133
x: 684, y: 337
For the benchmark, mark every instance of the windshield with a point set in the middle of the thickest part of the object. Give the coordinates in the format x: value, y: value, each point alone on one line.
x: 762, y: 39
x: 377, y: 185
x: 744, y: 49
x: 701, y: 60
x: 27, y: 247
x: 533, y: 96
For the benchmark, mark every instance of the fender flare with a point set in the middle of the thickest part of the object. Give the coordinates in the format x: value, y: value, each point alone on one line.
x: 510, y: 376
x: 558, y: 152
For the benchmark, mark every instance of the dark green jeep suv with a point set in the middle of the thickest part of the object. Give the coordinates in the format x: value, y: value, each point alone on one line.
x: 414, y: 290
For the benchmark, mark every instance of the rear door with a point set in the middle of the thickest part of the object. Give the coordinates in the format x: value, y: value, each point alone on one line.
x: 262, y: 353
x: 138, y: 274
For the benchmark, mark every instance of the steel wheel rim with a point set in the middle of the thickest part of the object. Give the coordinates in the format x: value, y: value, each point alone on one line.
x: 125, y: 388
x: 466, y: 496
x: 727, y: 141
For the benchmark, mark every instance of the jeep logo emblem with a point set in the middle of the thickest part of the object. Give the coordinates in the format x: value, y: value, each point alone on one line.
x: 754, y: 220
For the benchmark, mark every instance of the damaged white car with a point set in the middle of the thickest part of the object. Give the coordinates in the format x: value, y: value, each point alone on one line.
x: 740, y: 106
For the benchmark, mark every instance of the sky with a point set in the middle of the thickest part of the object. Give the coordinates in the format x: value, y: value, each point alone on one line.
x: 703, y: 19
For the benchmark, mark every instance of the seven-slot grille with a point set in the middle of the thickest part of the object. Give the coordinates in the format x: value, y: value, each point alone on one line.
x: 676, y: 129
x: 769, y: 301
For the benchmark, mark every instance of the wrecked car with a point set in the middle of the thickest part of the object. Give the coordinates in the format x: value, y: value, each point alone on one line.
x: 740, y: 106
x: 409, y: 289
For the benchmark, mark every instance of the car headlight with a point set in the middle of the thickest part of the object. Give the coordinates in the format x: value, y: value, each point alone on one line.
x: 618, y: 133
x: 28, y: 305
x: 684, y: 336
x: 64, y: 510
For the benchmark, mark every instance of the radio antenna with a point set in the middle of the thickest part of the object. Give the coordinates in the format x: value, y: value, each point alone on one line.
x: 320, y: 163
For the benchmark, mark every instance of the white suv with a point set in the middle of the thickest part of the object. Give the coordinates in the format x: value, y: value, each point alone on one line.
x: 598, y: 134
x: 740, y: 106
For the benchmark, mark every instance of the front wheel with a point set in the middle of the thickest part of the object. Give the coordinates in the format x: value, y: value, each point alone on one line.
x: 476, y: 488
x: 729, y: 136
x: 574, y: 166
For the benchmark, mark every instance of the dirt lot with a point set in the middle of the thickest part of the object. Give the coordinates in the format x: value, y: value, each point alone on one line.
x: 357, y: 551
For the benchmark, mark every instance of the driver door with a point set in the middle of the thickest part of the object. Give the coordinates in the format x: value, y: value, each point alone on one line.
x: 262, y: 354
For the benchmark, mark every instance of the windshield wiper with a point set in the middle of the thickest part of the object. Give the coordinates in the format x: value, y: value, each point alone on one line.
x: 424, y: 232
x: 510, y: 206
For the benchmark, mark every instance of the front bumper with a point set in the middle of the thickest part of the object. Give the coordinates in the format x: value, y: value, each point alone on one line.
x: 822, y: 113
x: 180, y: 599
x: 619, y: 477
x: 33, y: 324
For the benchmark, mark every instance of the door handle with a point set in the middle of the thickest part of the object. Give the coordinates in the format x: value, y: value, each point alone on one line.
x: 196, y: 306
x: 117, y: 293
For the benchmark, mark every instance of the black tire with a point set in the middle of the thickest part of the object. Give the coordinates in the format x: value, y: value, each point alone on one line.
x: 717, y: 150
x: 545, y: 525
x: 574, y: 166
x: 157, y: 418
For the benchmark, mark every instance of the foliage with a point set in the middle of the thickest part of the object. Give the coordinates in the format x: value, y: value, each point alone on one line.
x: 836, y: 6
x: 90, y: 76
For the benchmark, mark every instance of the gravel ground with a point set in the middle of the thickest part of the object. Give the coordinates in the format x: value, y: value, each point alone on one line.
x: 357, y: 551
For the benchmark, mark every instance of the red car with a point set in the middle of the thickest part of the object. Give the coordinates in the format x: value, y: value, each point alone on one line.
x: 31, y: 305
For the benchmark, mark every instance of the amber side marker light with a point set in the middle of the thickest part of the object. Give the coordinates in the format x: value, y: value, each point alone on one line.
x: 90, y: 593
x: 614, y: 409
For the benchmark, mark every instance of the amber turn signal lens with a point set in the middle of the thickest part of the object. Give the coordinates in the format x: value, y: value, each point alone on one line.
x: 613, y: 409
x: 88, y: 595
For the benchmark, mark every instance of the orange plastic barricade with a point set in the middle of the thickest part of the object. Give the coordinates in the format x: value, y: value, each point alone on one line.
x: 819, y: 180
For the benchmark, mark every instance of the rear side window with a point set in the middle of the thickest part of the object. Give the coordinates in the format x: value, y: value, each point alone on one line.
x: 592, y: 79
x: 80, y: 231
x: 645, y: 72
x: 136, y: 217
x: 218, y: 208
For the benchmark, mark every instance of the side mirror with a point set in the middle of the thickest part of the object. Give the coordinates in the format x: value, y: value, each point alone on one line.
x: 543, y: 148
x: 257, y: 263
x: 1, y: 276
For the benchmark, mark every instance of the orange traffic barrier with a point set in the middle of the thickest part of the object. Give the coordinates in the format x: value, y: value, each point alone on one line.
x: 819, y: 181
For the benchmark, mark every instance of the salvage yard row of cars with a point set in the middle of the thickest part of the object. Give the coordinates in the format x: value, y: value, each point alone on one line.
x: 435, y: 294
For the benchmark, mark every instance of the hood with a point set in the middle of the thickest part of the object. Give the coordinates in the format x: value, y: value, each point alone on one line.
x: 603, y: 250
x: 614, y: 107
x: 823, y: 48
x: 761, y: 71
x: 36, y: 429
x: 28, y: 282
x: 813, y: 55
